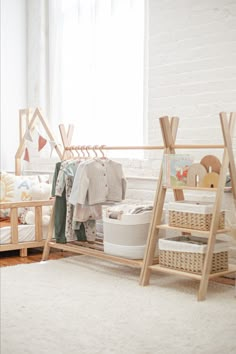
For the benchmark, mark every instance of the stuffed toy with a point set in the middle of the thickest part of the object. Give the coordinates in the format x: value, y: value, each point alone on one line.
x: 41, y: 191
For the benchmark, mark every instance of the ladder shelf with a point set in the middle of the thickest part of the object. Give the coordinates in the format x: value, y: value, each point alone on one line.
x: 169, y: 129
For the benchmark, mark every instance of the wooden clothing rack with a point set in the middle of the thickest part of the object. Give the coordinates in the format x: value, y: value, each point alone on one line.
x: 149, y: 264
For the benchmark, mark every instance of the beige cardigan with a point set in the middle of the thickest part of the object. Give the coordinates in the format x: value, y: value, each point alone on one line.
x: 98, y: 181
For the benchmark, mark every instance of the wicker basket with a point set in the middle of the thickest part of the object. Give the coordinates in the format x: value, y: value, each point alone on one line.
x: 188, y: 254
x: 193, y: 215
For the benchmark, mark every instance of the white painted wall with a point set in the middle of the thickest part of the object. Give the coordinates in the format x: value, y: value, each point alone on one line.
x: 13, y: 76
x: 37, y: 52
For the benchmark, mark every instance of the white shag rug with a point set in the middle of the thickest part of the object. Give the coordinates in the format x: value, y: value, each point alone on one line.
x: 81, y: 305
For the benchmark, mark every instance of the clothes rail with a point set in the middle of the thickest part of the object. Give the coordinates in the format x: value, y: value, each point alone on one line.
x: 105, y: 147
x: 144, y: 147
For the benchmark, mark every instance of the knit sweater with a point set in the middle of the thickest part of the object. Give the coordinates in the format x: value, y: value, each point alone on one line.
x: 98, y: 181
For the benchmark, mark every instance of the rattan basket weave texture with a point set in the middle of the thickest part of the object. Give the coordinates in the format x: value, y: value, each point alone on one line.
x: 194, y: 220
x: 191, y: 262
x: 193, y: 215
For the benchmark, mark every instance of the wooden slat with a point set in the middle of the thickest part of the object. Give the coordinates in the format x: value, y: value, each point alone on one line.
x: 21, y: 245
x: 26, y: 204
x: 14, y: 225
x: 38, y: 223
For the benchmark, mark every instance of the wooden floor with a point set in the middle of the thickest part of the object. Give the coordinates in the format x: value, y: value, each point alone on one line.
x: 11, y: 258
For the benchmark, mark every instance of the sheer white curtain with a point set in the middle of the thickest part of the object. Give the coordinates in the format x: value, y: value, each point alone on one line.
x: 96, y: 57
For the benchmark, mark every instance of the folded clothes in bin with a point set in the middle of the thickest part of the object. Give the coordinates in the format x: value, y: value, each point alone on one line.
x: 117, y: 211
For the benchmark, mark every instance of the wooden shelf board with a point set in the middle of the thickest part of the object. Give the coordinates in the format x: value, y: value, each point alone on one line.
x: 226, y: 189
x: 158, y: 268
x: 95, y: 253
x: 190, y: 231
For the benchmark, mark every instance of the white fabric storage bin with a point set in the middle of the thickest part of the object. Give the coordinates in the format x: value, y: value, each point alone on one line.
x: 131, y: 252
x: 128, y: 230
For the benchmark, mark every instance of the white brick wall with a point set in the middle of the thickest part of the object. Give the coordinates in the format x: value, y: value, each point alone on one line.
x: 192, y: 70
x: 191, y: 74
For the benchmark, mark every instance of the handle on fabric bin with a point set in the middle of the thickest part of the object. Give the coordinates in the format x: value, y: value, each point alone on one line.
x: 116, y: 215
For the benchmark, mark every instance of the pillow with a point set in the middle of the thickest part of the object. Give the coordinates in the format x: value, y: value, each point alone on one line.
x: 41, y: 191
x: 20, y: 188
x: 23, y: 187
x: 7, y: 190
x: 7, y: 187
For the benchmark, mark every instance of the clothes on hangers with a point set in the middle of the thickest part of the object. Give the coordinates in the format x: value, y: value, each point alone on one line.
x: 98, y: 181
x: 60, y: 208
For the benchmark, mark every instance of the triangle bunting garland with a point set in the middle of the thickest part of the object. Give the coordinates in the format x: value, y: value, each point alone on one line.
x: 41, y: 142
x: 26, y: 155
x: 28, y: 135
x: 52, y: 146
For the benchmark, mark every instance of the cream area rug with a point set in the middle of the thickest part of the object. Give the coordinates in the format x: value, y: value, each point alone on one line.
x: 81, y: 305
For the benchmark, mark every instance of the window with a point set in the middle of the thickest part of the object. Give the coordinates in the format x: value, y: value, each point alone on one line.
x: 96, y: 58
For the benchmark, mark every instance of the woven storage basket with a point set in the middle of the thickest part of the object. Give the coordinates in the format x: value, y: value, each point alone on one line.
x: 193, y: 215
x: 188, y: 254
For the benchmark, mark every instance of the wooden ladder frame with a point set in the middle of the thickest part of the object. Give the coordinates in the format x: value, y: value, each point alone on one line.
x: 169, y: 130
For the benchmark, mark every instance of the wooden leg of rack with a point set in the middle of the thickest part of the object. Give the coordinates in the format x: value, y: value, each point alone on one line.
x: 208, y: 262
x: 46, y: 252
x: 152, y: 236
x: 214, y: 227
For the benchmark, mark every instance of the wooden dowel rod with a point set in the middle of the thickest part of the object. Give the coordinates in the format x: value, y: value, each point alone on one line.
x: 203, y: 146
x: 89, y: 147
x: 150, y: 147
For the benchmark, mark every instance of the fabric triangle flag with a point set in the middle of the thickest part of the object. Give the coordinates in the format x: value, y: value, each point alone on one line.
x: 52, y: 145
x: 26, y: 156
x: 41, y: 142
x: 28, y: 135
